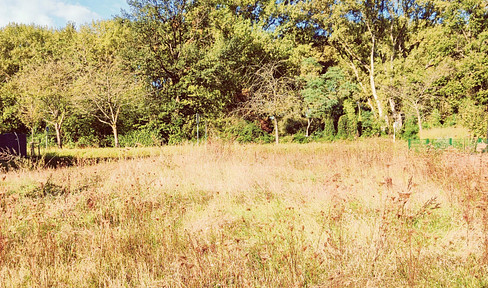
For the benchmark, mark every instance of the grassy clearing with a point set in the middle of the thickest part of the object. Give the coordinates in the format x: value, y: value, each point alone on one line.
x: 445, y: 132
x: 318, y: 215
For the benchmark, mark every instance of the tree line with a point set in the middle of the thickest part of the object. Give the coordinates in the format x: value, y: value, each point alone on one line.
x: 317, y: 68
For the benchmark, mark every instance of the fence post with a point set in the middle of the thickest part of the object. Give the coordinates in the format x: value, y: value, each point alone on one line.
x: 409, y: 143
x: 450, y: 141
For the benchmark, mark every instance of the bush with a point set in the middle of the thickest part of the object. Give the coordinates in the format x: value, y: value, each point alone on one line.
x: 410, y: 128
x: 370, y: 126
x: 474, y: 118
x: 352, y: 122
x: 141, y: 137
x: 329, y: 129
x: 300, y: 138
x: 435, y: 118
x: 343, y: 127
x: 244, y: 131
x: 87, y: 141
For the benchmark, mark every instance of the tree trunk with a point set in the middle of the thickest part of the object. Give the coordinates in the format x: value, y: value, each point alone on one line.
x: 57, y: 127
x: 116, y: 136
x: 372, y: 81
x: 309, y: 122
x: 397, y: 117
x: 419, y: 120
x: 275, y: 123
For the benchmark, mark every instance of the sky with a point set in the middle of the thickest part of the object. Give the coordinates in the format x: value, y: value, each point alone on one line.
x: 57, y: 13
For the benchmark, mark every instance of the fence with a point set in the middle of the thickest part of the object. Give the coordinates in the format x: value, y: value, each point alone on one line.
x: 465, y: 144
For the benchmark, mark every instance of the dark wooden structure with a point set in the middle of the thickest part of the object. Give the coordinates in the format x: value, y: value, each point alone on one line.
x: 13, y: 144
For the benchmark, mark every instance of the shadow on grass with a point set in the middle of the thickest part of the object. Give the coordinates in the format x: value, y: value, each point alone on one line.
x: 52, y: 160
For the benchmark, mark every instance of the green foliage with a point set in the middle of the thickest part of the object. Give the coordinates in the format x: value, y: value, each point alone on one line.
x: 246, y: 132
x: 329, y: 131
x: 9, y: 115
x: 139, y: 138
x: 300, y: 138
x: 343, y: 127
x: 352, y: 123
x: 248, y: 59
x: 435, y: 118
x: 324, y: 94
x: 474, y: 117
x: 370, y: 126
x: 410, y: 128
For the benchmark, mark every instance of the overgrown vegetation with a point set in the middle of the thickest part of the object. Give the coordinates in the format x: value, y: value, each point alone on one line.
x: 341, y: 68
x: 366, y: 213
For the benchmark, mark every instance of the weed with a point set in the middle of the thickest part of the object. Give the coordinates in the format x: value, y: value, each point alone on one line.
x: 346, y: 214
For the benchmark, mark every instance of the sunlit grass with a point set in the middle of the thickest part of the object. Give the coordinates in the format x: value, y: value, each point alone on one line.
x: 445, y: 132
x: 368, y: 213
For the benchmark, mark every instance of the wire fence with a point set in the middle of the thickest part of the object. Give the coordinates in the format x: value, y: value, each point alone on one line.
x: 464, y: 144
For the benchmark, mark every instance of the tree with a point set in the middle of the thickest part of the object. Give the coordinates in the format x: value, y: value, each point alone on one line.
x: 368, y: 34
x: 19, y: 46
x: 105, y: 91
x: 46, y: 87
x: 272, y: 94
x: 420, y: 78
x: 325, y: 94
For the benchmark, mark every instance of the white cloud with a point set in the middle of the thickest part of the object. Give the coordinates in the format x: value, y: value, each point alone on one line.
x: 53, y: 13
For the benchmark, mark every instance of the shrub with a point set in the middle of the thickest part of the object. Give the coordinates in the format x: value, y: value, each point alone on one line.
x: 352, y: 122
x: 300, y: 138
x: 410, y: 129
x: 87, y: 141
x: 473, y: 117
x: 370, y: 126
x: 244, y: 131
x: 140, y: 137
x: 329, y: 128
x: 342, y: 127
x: 435, y: 118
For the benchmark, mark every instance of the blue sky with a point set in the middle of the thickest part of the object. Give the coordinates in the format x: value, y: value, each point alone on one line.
x: 56, y: 13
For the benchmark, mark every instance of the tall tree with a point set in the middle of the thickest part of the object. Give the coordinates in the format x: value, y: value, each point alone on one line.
x: 106, y: 91
x: 372, y: 33
x: 48, y: 86
x: 272, y: 94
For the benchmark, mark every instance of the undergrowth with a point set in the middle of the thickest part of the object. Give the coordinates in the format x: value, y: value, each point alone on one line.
x: 349, y: 214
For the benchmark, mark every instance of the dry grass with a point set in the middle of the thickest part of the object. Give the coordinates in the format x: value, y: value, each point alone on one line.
x: 365, y: 214
x: 445, y: 132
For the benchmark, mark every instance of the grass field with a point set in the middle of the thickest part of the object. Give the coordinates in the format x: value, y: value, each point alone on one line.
x: 445, y: 132
x: 350, y: 214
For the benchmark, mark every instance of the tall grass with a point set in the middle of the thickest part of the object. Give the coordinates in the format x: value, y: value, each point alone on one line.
x: 317, y: 215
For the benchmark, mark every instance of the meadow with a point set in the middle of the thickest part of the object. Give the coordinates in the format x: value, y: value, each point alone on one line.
x: 369, y: 213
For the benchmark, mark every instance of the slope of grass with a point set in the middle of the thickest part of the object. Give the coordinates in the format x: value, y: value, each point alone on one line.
x: 445, y: 132
x: 345, y: 214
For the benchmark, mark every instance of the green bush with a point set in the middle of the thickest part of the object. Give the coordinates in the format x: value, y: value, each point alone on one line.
x: 370, y: 126
x: 410, y: 128
x: 141, y: 137
x: 352, y: 122
x: 87, y: 141
x: 435, y: 118
x: 473, y: 117
x: 343, y: 127
x: 329, y: 131
x: 244, y: 131
x: 300, y: 138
